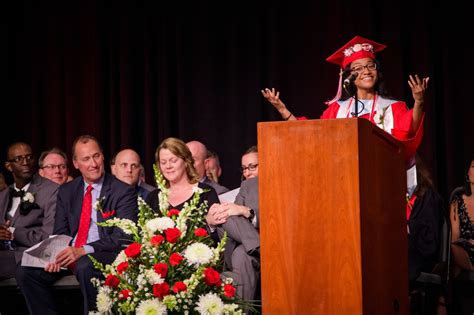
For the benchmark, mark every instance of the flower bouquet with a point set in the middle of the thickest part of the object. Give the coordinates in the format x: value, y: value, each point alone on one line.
x: 171, y: 266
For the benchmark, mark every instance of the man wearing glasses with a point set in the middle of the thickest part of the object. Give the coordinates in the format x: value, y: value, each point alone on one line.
x: 53, y: 165
x: 27, y: 208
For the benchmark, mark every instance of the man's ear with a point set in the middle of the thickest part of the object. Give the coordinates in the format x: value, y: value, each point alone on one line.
x: 74, y: 162
x: 8, y: 166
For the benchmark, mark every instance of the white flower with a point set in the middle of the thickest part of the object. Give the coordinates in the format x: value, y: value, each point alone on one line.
x: 151, y: 307
x: 29, y: 197
x: 232, y: 309
x: 104, y: 302
x: 357, y: 47
x: 159, y: 224
x: 153, y: 277
x: 198, y: 253
x: 128, y: 226
x: 121, y: 257
x: 210, y: 304
x: 99, y: 204
x: 197, y: 189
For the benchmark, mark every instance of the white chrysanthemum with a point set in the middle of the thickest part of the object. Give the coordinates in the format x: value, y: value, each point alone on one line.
x: 210, y: 304
x: 151, y: 307
x: 153, y: 277
x: 104, y: 302
x: 198, y: 254
x: 160, y: 224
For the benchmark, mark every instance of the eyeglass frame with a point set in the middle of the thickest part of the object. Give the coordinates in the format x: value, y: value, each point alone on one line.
x: 251, y: 167
x: 61, y: 167
x: 21, y: 158
x: 361, y: 68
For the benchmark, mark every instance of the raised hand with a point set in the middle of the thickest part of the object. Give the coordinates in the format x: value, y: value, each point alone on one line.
x: 418, y: 87
x: 274, y: 98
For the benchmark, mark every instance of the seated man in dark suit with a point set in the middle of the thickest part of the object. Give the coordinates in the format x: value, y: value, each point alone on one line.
x: 24, y: 222
x: 93, y: 197
x: 125, y: 165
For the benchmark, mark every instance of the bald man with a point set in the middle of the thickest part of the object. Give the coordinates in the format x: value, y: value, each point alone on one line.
x: 125, y: 166
x: 199, y: 152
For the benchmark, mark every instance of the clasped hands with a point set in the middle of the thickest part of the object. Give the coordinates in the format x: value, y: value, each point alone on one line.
x: 219, y: 213
x: 65, y: 258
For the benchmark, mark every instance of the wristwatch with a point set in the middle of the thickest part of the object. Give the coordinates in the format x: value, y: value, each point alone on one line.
x: 252, y: 214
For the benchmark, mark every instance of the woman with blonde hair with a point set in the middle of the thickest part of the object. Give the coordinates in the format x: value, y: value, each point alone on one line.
x: 176, y: 163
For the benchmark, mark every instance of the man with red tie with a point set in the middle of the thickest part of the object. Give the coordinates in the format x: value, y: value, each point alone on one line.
x: 91, y: 198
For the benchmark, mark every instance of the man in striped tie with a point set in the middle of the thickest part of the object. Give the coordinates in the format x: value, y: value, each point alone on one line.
x: 93, y: 197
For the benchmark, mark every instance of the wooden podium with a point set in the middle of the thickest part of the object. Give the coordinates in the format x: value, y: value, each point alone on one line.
x: 332, y: 212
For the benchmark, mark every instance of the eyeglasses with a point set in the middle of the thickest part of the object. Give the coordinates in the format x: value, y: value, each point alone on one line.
x: 22, y: 158
x: 360, y: 68
x: 61, y: 167
x: 251, y: 167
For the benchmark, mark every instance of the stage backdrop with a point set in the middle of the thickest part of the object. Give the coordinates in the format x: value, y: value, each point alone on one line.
x: 135, y: 72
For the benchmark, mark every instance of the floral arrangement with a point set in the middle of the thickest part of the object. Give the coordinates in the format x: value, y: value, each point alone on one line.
x: 170, y: 267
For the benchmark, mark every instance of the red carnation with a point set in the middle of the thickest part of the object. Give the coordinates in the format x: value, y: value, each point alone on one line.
x: 212, y: 277
x: 112, y: 281
x: 200, y: 232
x: 179, y: 286
x: 124, y: 294
x: 133, y: 250
x: 172, y: 234
x: 173, y: 212
x: 157, y: 240
x: 122, y: 267
x: 229, y: 290
x: 161, y: 289
x: 161, y: 269
x: 175, y: 259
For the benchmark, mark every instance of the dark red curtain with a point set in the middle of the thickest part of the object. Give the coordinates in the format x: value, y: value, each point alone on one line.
x: 134, y: 72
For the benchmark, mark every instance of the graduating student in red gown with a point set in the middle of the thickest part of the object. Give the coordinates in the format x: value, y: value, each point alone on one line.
x: 361, y: 79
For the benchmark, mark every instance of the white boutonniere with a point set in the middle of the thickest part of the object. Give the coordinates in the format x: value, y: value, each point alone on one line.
x: 28, y: 197
x: 28, y: 203
x: 99, y: 204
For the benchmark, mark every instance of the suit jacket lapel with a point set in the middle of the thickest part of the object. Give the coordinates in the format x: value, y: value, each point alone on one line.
x: 76, y: 206
x: 33, y: 188
x: 104, y: 193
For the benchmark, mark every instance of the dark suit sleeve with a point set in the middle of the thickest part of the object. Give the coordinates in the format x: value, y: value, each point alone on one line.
x: 211, y: 197
x: 123, y: 199
x: 152, y: 200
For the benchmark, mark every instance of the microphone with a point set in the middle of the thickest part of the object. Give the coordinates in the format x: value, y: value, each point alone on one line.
x: 350, y: 79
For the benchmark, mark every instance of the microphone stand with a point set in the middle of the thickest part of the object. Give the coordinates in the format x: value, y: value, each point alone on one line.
x: 356, y: 99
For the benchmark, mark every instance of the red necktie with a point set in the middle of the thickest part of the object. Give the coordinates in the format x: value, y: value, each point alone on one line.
x: 85, y: 221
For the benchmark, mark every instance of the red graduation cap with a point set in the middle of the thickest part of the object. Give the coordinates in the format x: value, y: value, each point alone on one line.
x: 356, y: 48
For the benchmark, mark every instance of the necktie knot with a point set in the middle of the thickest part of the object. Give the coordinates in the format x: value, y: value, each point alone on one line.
x: 89, y: 189
x: 16, y: 193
